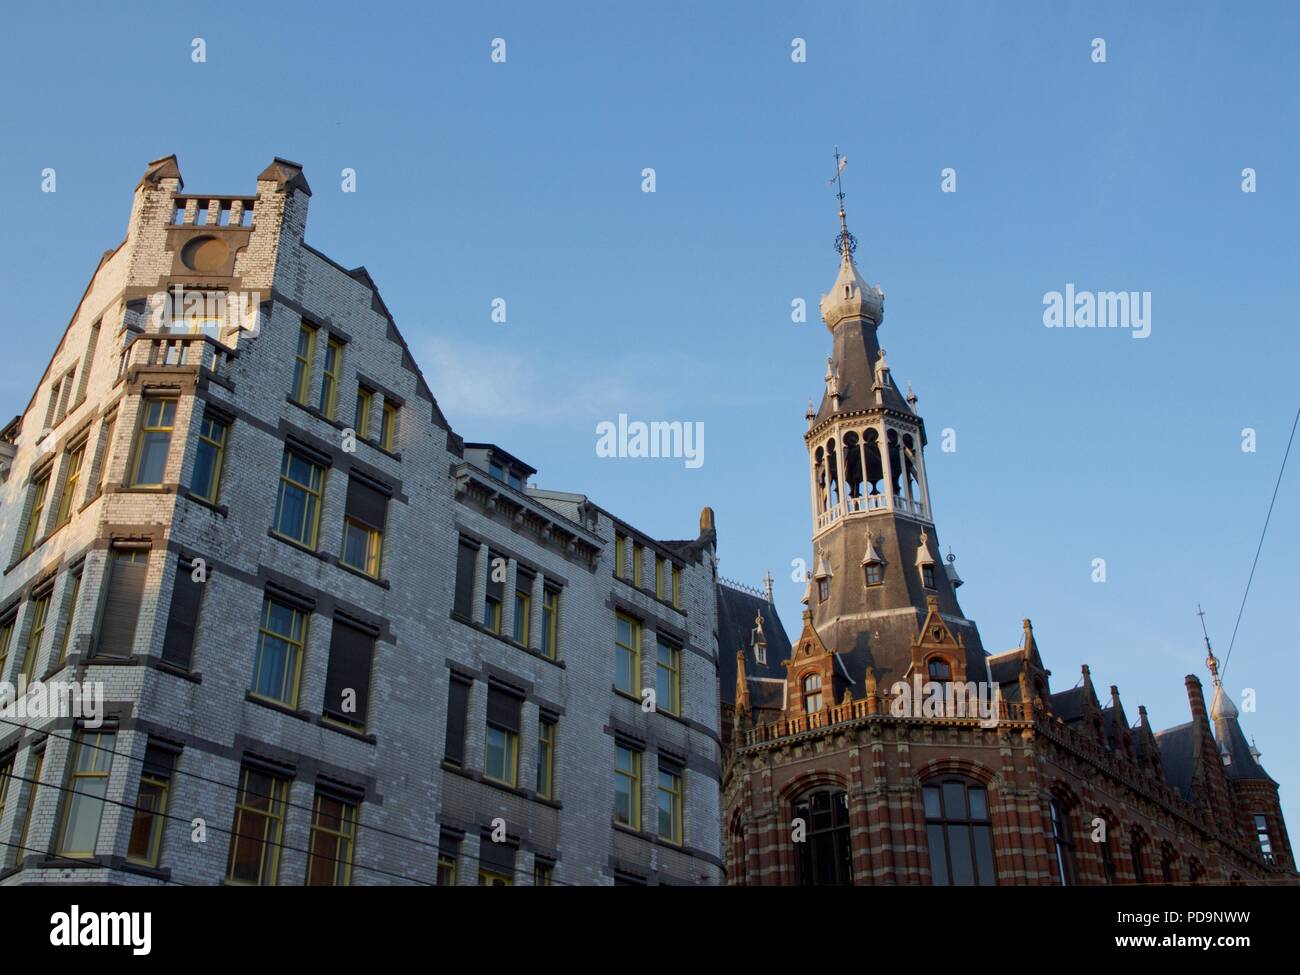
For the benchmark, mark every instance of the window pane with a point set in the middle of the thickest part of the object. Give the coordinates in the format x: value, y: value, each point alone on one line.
x: 954, y: 801
x: 984, y: 854
x: 978, y: 805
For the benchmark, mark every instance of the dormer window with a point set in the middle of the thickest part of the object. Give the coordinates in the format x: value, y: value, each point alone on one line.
x: 497, y: 471
x: 823, y: 590
x: 875, y: 573
x: 939, y: 669
x: 927, y: 576
x: 812, y: 693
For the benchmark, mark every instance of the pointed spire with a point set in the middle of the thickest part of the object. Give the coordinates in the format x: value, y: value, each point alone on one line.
x: 767, y: 585
x: 912, y: 398
x: 811, y: 415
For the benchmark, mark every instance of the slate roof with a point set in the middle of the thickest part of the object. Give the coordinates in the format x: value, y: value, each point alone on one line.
x: 854, y: 355
x: 736, y: 611
x: 1243, y: 764
x: 1178, y: 756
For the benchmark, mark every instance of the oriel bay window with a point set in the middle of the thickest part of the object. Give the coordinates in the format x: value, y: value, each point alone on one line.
x: 627, y: 655
x: 363, y: 527
x: 157, y: 420
x: 627, y: 786
x: 209, y: 458
x: 501, y: 757
x: 145, y: 843
x: 90, y: 761
x: 333, y: 833
x: 297, y: 506
x: 280, y: 642
x: 959, y: 833
x: 825, y: 855
x: 255, y: 836
x: 347, y: 681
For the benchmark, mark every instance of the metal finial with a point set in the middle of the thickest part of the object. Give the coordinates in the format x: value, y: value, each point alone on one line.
x: 845, y: 242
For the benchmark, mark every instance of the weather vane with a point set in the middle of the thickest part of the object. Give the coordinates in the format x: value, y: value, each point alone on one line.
x: 844, y: 240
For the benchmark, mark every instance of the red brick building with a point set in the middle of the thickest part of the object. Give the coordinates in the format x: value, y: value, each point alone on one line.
x: 838, y: 771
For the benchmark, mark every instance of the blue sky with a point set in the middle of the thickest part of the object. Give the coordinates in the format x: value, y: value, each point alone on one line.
x: 523, y: 181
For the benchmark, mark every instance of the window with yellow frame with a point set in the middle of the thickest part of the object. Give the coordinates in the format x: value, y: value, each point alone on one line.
x: 333, y: 832
x: 71, y: 625
x: 361, y: 422
x: 157, y: 420
x: 362, y: 547
x: 331, y: 379
x: 280, y: 643
x: 662, y: 578
x: 546, y: 759
x: 36, y: 633
x: 490, y: 878
x: 668, y: 677
x: 209, y: 459
x: 627, y: 655
x: 92, y: 757
x: 670, y: 806
x: 40, y: 492
x: 6, y: 640
x: 638, y: 557
x: 620, y: 556
x: 145, y: 843
x: 388, y: 426
x: 302, y: 362
x: 677, y: 586
x: 627, y: 787
x: 71, y: 479
x: 501, y: 759
x: 550, y: 622
x: 35, y: 776
x: 297, y: 505
x: 255, y: 835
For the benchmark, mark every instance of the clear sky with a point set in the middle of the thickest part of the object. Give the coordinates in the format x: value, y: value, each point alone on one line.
x: 523, y: 180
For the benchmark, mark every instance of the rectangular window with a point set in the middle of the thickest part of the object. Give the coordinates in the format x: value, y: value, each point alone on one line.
x: 70, y: 613
x: 6, y: 640
x: 466, y: 559
x: 543, y: 874
x: 333, y: 830
x: 363, y: 527
x: 302, y: 362
x: 128, y: 569
x: 329, y: 389
x: 627, y: 787
x: 448, y: 854
x: 40, y: 616
x: 1261, y: 834
x: 388, y: 426
x: 627, y: 655
x: 6, y: 773
x: 347, y: 681
x: 638, y: 557
x: 457, y: 712
x: 259, y: 824
x: 677, y: 586
x: 361, y: 425
x: 550, y: 622
x: 663, y: 576
x: 209, y: 458
x: 546, y: 759
x: 668, y: 676
x: 494, y: 593
x: 71, y: 479
x: 501, y: 758
x: 145, y: 843
x: 297, y: 508
x: 40, y: 492
x: 620, y: 556
x: 183, y: 617
x: 92, y: 756
x: 280, y: 643
x: 157, y: 418
x: 105, y: 450
x: 670, y: 805
x: 31, y: 802
x: 523, y: 607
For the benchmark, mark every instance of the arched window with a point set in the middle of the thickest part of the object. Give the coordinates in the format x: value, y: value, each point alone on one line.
x: 825, y: 856
x: 812, y: 693
x: 939, y: 669
x: 852, y: 465
x: 959, y: 833
x: 1136, y: 849
x: 1062, y: 841
x: 1168, y: 871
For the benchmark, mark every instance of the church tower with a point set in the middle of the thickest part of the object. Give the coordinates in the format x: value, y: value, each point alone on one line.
x: 879, y: 595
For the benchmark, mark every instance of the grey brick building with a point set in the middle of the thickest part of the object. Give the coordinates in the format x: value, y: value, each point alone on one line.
x: 336, y: 643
